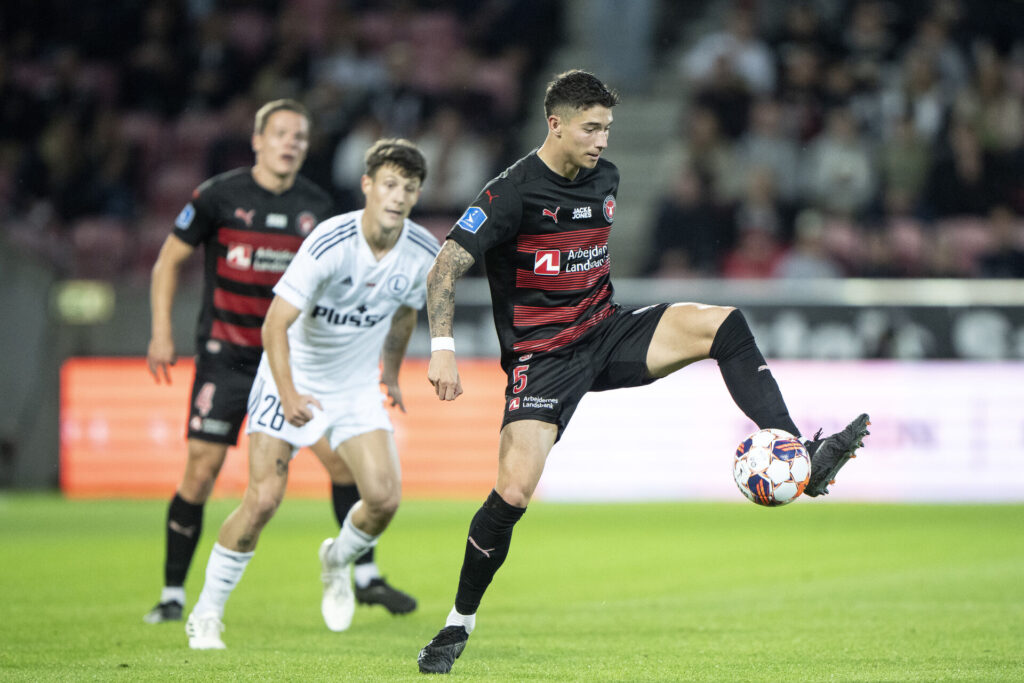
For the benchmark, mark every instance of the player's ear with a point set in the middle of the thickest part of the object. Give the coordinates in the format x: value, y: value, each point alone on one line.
x: 365, y: 183
x: 256, y: 142
x: 555, y: 125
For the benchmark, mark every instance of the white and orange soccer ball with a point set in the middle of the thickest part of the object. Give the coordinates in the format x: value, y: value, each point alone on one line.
x: 771, y: 467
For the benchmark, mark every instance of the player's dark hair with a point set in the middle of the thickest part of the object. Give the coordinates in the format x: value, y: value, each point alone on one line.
x: 263, y: 115
x: 574, y: 90
x: 399, y: 152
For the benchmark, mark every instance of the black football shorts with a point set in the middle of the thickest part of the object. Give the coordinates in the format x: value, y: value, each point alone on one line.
x: 220, y: 394
x: 548, y: 386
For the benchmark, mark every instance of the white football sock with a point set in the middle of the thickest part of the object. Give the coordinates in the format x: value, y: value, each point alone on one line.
x: 173, y: 594
x: 223, y: 572
x: 351, y: 542
x: 466, y: 621
x: 365, y: 573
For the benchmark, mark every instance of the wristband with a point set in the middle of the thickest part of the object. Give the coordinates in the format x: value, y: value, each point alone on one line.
x: 442, y: 344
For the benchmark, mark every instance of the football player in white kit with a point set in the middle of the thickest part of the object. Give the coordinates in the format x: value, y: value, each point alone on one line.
x: 337, y: 328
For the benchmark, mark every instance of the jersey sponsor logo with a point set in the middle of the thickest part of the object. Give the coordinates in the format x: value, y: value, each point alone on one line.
x: 581, y: 212
x: 239, y: 256
x: 472, y: 219
x: 514, y: 404
x: 580, y: 260
x: 356, y: 318
x: 609, y: 208
x: 272, y: 260
x: 306, y: 222
x: 524, y: 358
x: 490, y: 197
x: 277, y: 220
x: 397, y: 283
x: 547, y: 262
x: 553, y: 215
x: 542, y: 402
x: 184, y: 219
x: 245, y: 216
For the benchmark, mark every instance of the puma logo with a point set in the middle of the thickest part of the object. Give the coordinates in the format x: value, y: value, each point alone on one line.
x: 486, y: 553
x: 186, y: 531
x: 553, y: 215
x: 490, y: 197
x: 246, y: 216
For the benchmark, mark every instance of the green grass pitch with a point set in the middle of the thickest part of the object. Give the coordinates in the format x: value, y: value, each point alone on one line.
x: 658, y: 592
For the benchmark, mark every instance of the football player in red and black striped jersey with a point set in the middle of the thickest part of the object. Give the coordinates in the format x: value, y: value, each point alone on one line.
x: 250, y: 222
x: 541, y: 229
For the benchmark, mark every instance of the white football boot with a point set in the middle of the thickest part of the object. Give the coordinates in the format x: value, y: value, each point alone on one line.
x: 339, y: 601
x: 204, y: 632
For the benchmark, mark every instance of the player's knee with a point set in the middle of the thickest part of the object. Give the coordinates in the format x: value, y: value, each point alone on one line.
x: 264, y: 503
x: 516, y: 496
x: 382, y: 505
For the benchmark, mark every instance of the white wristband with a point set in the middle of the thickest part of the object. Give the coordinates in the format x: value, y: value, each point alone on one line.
x: 442, y: 344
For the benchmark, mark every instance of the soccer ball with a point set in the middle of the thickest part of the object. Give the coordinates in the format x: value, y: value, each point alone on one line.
x: 771, y: 467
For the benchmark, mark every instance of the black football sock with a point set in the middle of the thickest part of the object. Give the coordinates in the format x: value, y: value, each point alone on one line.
x: 747, y: 376
x: 490, y: 534
x: 344, y: 496
x: 184, y: 525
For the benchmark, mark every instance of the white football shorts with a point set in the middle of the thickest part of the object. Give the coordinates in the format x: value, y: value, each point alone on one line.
x: 345, y: 415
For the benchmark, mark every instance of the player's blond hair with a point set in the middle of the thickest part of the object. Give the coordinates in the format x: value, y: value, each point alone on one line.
x: 264, y: 113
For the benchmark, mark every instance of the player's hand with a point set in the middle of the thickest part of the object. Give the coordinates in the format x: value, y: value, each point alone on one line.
x: 299, y: 410
x: 159, y: 356
x: 395, y: 394
x: 443, y: 373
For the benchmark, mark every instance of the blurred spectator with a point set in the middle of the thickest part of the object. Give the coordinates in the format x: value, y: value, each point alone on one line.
x: 156, y: 76
x: 839, y: 175
x: 801, y: 93
x: 219, y: 69
x: 689, y: 236
x: 457, y: 158
x: 868, y: 40
x: 1005, y: 258
x: 756, y: 255
x: 736, y: 50
x: 919, y: 94
x: 767, y: 145
x: 808, y: 256
x: 963, y: 180
x: 990, y: 106
x: 904, y: 161
x: 710, y: 154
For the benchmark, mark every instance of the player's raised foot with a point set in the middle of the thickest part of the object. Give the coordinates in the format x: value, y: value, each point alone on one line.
x: 440, y: 653
x: 204, y: 632
x: 828, y: 455
x: 338, y: 604
x: 380, y: 592
x: 164, y: 611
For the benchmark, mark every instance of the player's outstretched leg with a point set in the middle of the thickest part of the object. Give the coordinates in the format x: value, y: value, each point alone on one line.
x: 338, y: 604
x: 828, y: 455
x: 380, y: 592
x: 441, y: 652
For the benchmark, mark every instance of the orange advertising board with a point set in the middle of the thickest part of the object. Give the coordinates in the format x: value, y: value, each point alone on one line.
x: 123, y: 435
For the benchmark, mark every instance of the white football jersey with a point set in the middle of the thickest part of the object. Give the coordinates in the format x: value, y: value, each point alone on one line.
x: 347, y: 298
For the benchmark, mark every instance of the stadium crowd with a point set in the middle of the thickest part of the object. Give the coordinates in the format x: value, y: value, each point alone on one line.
x: 819, y: 138
x: 867, y: 138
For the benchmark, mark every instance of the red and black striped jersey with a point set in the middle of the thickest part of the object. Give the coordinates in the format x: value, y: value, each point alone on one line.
x: 250, y: 235
x: 543, y: 240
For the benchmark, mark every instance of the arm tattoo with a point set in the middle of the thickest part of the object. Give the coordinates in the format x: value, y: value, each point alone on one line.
x: 451, y: 263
